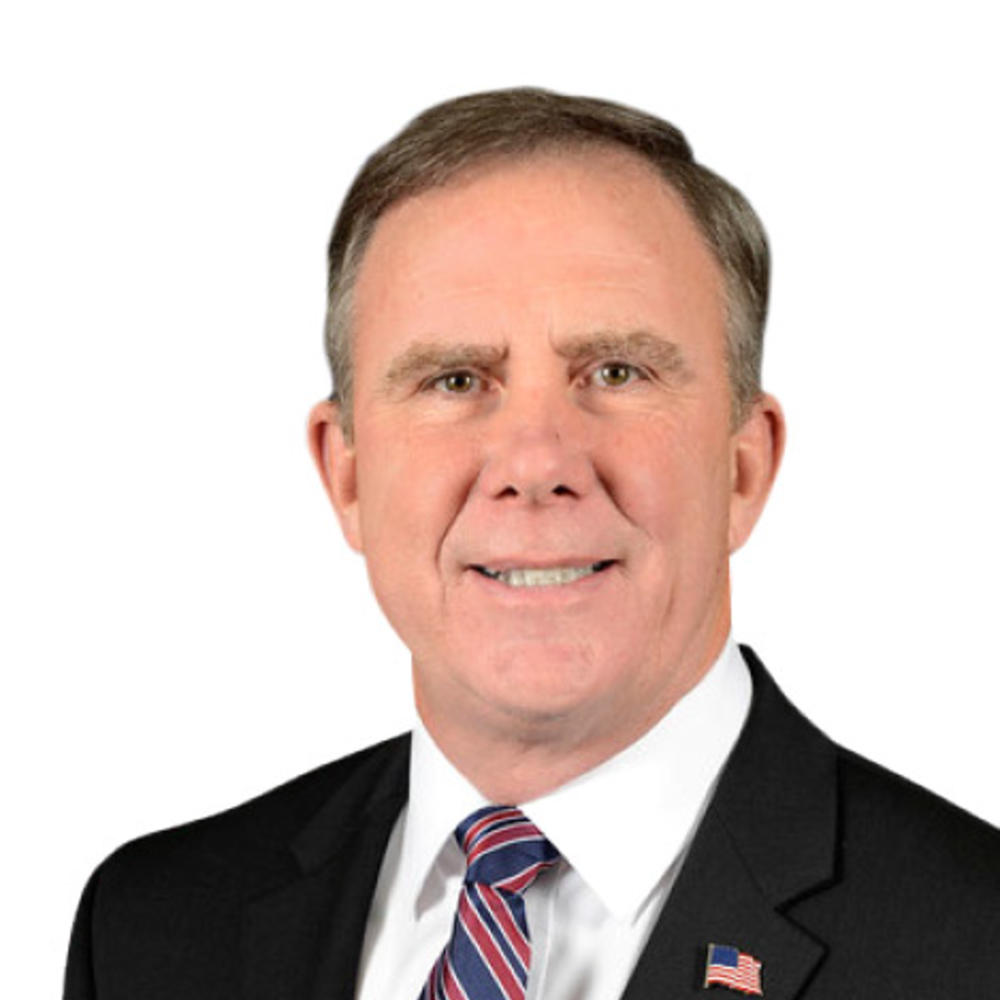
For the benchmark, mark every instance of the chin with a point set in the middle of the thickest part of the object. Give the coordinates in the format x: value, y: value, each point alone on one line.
x: 546, y: 681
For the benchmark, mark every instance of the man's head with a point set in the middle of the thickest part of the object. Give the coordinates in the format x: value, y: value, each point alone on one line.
x: 543, y: 471
x: 467, y: 132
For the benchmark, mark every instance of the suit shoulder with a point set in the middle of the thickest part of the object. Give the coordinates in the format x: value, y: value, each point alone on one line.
x: 914, y: 897
x: 912, y: 864
x: 881, y: 808
x: 247, y: 843
x: 166, y: 909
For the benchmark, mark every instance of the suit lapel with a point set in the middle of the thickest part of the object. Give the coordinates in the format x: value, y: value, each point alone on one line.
x: 717, y: 901
x: 767, y: 840
x: 302, y: 939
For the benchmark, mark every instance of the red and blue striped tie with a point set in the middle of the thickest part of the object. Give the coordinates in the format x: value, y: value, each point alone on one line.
x: 489, y: 952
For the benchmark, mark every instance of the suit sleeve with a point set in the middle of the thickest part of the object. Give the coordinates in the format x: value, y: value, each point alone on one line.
x: 80, y: 981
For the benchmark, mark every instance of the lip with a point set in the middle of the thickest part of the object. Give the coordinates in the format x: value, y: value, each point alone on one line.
x: 506, y: 563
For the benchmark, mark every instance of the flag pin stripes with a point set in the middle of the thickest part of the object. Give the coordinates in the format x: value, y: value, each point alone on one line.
x: 733, y: 969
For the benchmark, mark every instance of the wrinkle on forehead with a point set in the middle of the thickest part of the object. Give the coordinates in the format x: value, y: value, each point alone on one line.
x: 542, y: 196
x: 573, y: 245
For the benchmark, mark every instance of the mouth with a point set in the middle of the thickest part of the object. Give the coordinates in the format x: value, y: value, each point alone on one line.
x: 549, y: 576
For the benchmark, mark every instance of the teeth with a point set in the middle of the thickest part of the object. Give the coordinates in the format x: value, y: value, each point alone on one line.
x: 553, y: 577
x: 543, y: 577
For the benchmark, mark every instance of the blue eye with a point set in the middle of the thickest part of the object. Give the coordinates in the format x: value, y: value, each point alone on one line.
x: 614, y: 374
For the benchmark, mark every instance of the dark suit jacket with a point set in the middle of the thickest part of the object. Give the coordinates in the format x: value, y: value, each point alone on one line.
x: 846, y: 881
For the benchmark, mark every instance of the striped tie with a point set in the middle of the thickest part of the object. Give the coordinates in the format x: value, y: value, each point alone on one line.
x: 489, y: 952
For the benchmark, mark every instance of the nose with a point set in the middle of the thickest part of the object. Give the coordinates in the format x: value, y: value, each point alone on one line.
x: 537, y: 454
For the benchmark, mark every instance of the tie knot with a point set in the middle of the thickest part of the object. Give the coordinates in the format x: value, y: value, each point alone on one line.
x: 503, y: 848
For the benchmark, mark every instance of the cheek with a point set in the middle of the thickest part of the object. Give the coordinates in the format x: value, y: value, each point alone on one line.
x: 410, y: 489
x: 672, y: 483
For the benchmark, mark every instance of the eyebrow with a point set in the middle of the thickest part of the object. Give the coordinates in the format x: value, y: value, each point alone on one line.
x: 426, y: 357
x: 637, y: 345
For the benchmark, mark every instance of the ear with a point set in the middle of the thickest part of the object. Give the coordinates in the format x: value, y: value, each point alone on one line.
x: 756, y: 450
x: 336, y: 461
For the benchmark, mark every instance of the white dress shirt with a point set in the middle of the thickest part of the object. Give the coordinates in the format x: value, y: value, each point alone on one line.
x: 622, y: 828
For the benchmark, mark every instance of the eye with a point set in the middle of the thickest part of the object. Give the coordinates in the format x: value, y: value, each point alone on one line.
x: 613, y: 374
x: 456, y: 383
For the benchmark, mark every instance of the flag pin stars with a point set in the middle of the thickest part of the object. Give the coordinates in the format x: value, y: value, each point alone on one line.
x: 729, y: 967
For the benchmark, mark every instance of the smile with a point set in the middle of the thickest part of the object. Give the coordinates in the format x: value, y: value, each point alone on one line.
x: 554, y: 576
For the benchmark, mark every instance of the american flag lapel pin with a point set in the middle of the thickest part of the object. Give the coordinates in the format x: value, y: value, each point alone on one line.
x: 728, y: 966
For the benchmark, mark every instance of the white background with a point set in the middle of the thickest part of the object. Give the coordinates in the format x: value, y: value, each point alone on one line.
x: 182, y: 626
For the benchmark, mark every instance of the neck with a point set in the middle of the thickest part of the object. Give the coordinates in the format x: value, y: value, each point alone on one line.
x: 517, y: 757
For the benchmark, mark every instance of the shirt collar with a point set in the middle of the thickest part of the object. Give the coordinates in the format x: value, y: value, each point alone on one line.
x: 650, y: 795
x: 440, y: 798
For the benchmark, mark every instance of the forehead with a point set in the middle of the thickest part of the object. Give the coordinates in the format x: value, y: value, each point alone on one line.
x: 568, y: 238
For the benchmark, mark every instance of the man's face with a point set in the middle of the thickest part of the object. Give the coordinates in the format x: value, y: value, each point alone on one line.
x: 543, y: 478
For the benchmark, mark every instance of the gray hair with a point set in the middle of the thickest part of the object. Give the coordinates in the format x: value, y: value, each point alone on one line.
x: 509, y: 124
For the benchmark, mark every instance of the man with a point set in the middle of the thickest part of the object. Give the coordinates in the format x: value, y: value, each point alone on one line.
x: 547, y: 435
